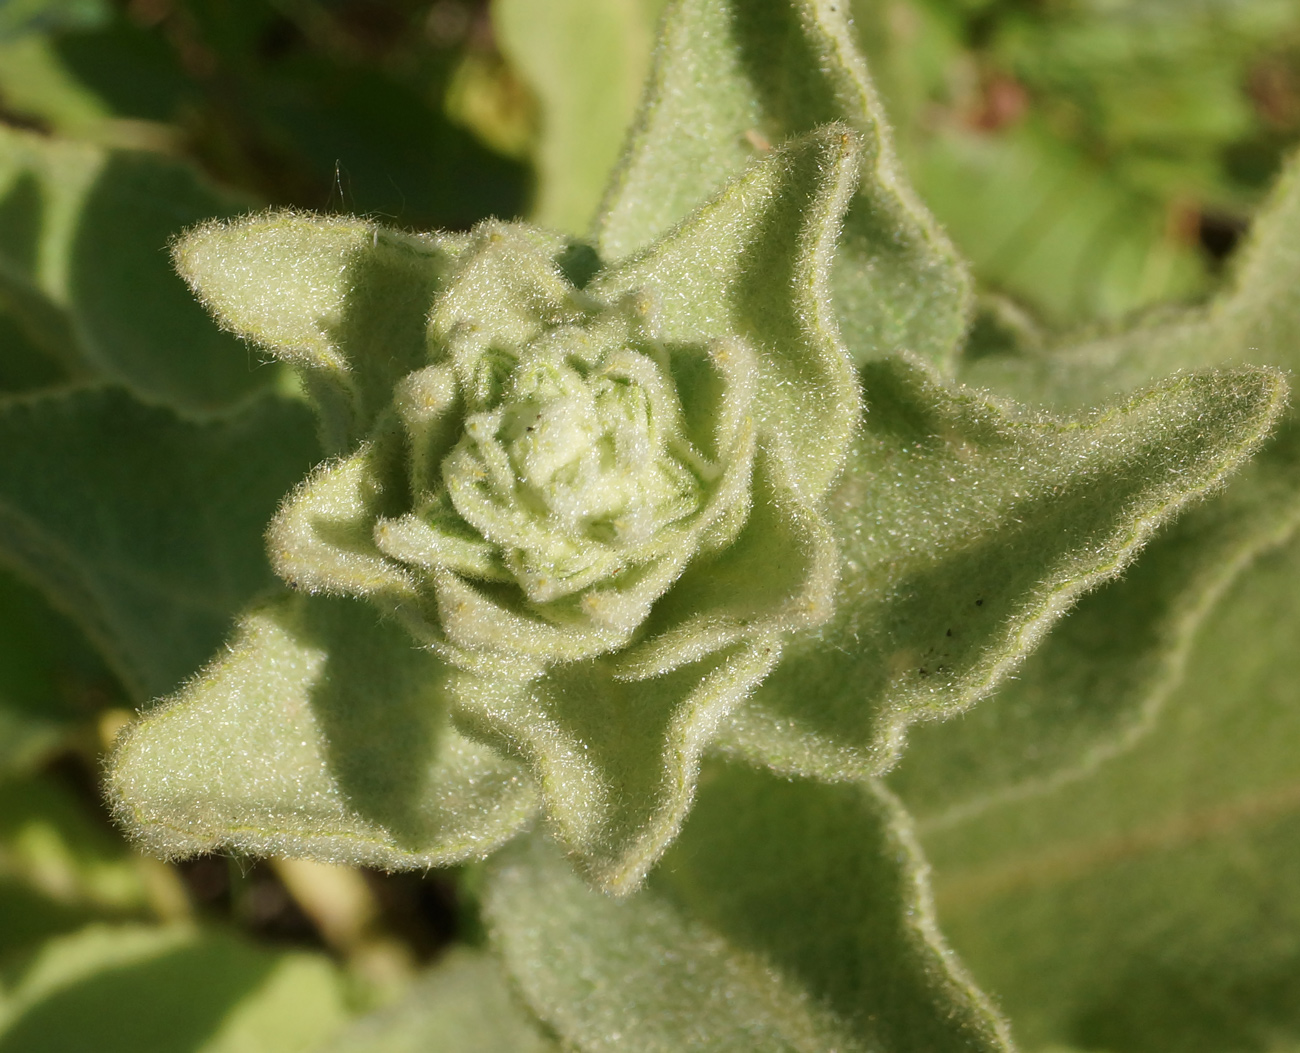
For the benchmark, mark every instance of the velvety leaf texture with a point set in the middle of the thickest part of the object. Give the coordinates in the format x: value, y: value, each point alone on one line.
x: 83, y: 270
x: 715, y: 956
x: 968, y: 528
x: 143, y: 527
x: 321, y: 732
x: 1153, y: 904
x: 1097, y: 685
x: 731, y: 79
x: 574, y: 496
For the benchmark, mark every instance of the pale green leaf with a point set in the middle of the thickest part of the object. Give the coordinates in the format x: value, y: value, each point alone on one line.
x: 730, y: 80
x: 1155, y: 904
x: 585, y: 61
x: 83, y: 268
x: 789, y: 916
x: 607, y: 669
x: 143, y: 527
x: 968, y: 528
x: 1097, y: 685
x: 462, y: 1005
x: 1099, y: 682
x: 1255, y: 319
x: 753, y: 264
x: 320, y: 732
x: 345, y: 299
x: 170, y: 990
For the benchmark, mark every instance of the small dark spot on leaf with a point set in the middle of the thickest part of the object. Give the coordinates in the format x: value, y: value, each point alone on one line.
x: 948, y: 633
x: 979, y: 603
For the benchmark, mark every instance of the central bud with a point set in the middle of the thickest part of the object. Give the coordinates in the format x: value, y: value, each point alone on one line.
x: 580, y: 466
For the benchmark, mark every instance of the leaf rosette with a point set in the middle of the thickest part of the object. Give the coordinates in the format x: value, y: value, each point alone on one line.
x: 557, y: 485
x: 593, y: 493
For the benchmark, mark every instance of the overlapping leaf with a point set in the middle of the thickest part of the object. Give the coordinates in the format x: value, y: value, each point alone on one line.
x: 731, y: 79
x: 1153, y: 905
x: 968, y: 528
x: 134, y: 987
x: 586, y: 64
x: 788, y: 916
x: 613, y: 740
x: 1098, y: 683
x: 144, y: 528
x: 321, y: 732
x: 83, y: 270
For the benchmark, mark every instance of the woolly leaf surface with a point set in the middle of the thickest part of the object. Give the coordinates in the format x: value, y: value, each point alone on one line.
x: 732, y: 79
x: 1153, y: 904
x: 968, y: 528
x: 321, y: 732
x: 715, y: 956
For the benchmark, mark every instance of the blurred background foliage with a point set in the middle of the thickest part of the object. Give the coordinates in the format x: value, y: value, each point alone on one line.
x: 1091, y: 157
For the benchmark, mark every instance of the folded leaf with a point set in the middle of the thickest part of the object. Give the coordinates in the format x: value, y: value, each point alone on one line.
x: 1154, y: 905
x: 967, y: 530
x: 462, y: 1005
x: 730, y: 79
x: 717, y: 955
x: 145, y: 528
x: 344, y: 299
x: 322, y: 732
x: 83, y: 268
x: 130, y: 988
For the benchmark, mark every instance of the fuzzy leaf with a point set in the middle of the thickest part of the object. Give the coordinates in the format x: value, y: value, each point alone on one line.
x: 732, y: 78
x: 1153, y: 905
x: 321, y: 732
x: 145, y: 528
x: 753, y: 264
x: 605, y: 609
x: 323, y: 293
x: 586, y: 64
x: 1098, y: 684
x: 83, y: 268
x: 715, y: 955
x: 129, y: 988
x: 968, y: 529
x: 462, y: 1005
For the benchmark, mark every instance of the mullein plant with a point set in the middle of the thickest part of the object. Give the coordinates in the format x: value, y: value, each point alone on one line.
x: 643, y: 572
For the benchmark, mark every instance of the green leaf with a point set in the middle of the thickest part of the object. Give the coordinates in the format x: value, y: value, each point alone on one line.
x: 324, y: 294
x: 173, y: 990
x: 1255, y: 319
x: 722, y: 329
x: 1153, y: 905
x: 83, y: 267
x: 50, y: 678
x: 729, y: 80
x: 462, y: 1005
x: 1100, y: 681
x: 717, y: 955
x: 586, y: 63
x: 968, y: 528
x: 321, y: 732
x: 145, y: 528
